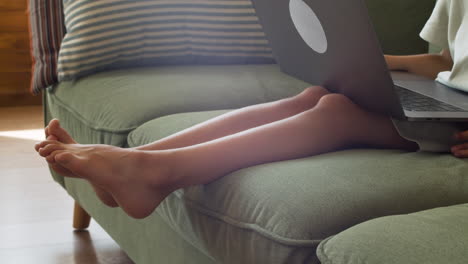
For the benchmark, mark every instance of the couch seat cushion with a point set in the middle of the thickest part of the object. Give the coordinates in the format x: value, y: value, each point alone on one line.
x: 280, y: 212
x: 433, y: 236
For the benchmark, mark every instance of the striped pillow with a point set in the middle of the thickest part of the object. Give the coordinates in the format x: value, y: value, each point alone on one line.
x: 109, y: 34
x: 46, y: 28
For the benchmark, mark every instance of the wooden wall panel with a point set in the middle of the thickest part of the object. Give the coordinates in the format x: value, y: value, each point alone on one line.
x: 6, y: 5
x: 14, y: 82
x: 19, y: 61
x: 14, y: 41
x: 13, y: 21
x: 15, y: 57
x: 19, y: 100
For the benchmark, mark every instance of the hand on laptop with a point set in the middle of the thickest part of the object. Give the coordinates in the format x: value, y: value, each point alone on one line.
x: 428, y: 65
x: 461, y: 150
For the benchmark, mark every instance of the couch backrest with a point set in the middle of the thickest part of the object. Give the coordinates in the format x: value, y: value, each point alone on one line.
x: 398, y: 23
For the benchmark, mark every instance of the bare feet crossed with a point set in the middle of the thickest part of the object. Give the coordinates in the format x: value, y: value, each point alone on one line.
x: 120, y: 176
x: 55, y: 132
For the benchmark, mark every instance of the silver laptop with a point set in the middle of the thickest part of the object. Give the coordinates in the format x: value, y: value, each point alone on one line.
x: 332, y: 43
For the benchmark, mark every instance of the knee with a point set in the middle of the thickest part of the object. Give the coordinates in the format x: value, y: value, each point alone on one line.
x: 338, y: 104
x: 313, y: 93
x: 309, y: 97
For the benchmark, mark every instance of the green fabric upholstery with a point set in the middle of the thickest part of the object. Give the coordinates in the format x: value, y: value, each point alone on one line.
x: 279, y: 212
x: 435, y: 236
x: 146, y: 241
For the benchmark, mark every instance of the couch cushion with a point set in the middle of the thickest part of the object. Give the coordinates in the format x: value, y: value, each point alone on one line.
x: 434, y: 236
x: 106, y: 34
x: 105, y: 107
x: 46, y: 30
x: 280, y: 212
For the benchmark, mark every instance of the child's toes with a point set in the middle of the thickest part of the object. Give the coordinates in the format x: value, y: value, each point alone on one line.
x: 61, y: 134
x: 70, y: 162
x: 44, y: 143
x: 51, y: 157
x: 46, y: 131
x: 49, y: 129
x: 37, y: 146
x: 41, y: 144
x: 52, y: 137
x: 48, y: 149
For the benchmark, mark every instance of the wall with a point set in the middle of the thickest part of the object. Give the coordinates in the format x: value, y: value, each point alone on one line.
x: 15, y: 59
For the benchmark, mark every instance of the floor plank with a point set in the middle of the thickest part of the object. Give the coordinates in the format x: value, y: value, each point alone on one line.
x: 36, y: 218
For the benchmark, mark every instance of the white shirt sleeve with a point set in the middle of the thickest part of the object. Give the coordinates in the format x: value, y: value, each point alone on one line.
x: 436, y: 29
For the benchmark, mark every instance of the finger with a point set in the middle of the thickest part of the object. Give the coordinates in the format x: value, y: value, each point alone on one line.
x: 459, y: 147
x: 462, y: 135
x: 463, y: 153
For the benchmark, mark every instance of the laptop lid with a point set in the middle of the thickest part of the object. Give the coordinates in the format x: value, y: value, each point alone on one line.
x: 341, y: 52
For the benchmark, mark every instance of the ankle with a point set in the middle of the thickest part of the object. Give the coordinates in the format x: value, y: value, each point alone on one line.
x: 160, y: 169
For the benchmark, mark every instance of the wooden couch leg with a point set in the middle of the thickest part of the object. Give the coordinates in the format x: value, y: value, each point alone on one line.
x: 81, y: 218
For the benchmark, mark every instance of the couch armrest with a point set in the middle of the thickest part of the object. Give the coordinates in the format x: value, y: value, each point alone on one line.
x: 47, y: 117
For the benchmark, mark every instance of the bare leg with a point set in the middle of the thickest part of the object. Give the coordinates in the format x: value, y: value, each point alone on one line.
x: 240, y: 120
x: 335, y: 123
x: 224, y: 125
x: 140, y: 180
x: 227, y: 124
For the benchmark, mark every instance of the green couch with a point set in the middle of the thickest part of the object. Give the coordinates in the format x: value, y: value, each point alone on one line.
x: 353, y: 206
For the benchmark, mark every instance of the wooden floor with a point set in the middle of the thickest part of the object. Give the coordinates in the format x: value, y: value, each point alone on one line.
x: 35, y: 212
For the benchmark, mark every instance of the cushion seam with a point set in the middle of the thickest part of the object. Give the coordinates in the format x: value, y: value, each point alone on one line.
x: 248, y: 226
x: 85, y: 121
x: 321, y: 253
x: 130, y: 140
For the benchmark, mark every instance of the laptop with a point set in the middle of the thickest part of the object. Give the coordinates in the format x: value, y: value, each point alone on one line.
x: 332, y: 43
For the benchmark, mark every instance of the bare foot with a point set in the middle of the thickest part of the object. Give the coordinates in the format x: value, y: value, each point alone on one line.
x: 138, y: 180
x: 55, y: 132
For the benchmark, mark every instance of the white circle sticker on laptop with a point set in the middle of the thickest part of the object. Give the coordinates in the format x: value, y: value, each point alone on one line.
x: 308, y: 25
